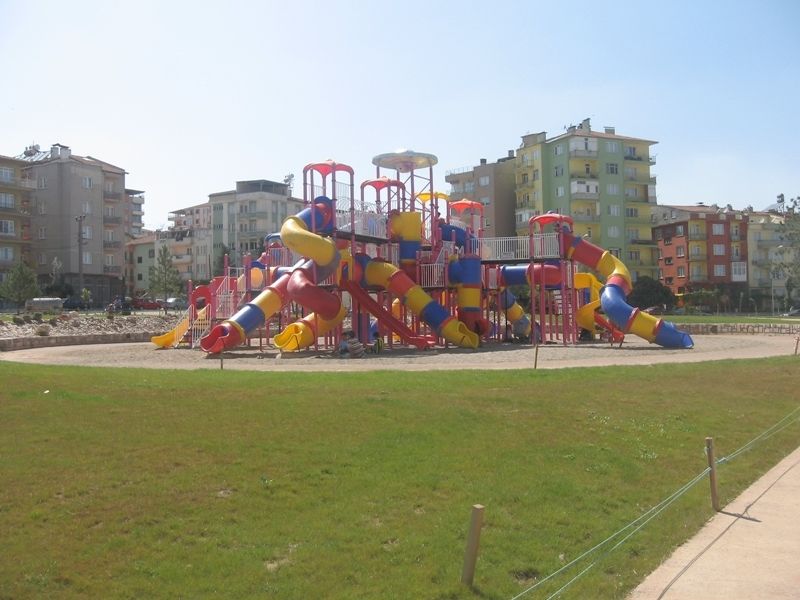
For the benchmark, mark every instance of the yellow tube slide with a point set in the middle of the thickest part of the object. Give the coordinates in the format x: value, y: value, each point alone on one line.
x: 300, y: 240
x: 453, y: 330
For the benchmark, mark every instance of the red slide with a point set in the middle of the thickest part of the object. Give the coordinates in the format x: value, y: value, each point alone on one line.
x: 386, y: 318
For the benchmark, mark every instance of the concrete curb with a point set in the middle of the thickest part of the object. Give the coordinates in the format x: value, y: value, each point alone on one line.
x: 46, y: 341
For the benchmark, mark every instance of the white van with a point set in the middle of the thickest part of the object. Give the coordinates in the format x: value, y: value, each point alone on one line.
x: 44, y: 304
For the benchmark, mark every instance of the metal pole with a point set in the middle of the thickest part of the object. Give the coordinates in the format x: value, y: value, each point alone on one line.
x: 79, y: 219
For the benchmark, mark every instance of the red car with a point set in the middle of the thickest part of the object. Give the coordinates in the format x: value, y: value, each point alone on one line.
x: 145, y: 304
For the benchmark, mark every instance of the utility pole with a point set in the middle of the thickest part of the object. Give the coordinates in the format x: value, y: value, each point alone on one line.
x: 79, y: 220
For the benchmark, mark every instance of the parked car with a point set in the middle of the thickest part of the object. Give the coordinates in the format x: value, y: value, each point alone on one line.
x: 74, y: 303
x: 145, y: 304
x: 176, y: 304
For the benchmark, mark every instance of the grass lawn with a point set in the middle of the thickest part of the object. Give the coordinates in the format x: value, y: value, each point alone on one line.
x: 152, y: 484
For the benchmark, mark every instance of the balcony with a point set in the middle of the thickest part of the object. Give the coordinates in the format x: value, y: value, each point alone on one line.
x: 585, y: 195
x: 736, y: 237
x: 698, y: 256
x: 112, y: 270
x: 698, y: 277
x: 590, y: 176
x: 18, y: 183
x: 695, y: 235
x: 181, y: 259
x: 642, y: 242
x: 112, y: 195
x: 107, y: 245
x: 111, y: 220
x: 582, y: 153
x: 137, y: 199
x: 586, y: 218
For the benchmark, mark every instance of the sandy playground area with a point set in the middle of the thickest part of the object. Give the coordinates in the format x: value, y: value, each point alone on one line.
x: 492, y: 356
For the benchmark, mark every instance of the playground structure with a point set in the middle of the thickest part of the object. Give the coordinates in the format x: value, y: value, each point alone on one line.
x: 411, y: 267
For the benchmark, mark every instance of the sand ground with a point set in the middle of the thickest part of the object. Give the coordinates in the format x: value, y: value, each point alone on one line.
x: 492, y: 356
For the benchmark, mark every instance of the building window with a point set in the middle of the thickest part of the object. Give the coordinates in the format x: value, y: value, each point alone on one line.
x: 679, y: 230
x: 485, y: 200
x: 139, y: 277
x: 151, y: 254
x: 558, y: 171
x: 718, y: 229
x: 43, y: 259
x: 42, y: 233
x: 86, y: 183
x: 524, y: 178
x: 612, y: 147
x: 558, y: 150
x: 739, y: 271
x: 536, y: 174
x: 631, y: 192
x: 560, y: 191
x: 6, y: 174
x: 661, y: 274
x: 634, y: 256
x: 87, y: 258
x: 630, y: 172
x: 483, y: 181
x: 7, y: 201
x: 110, y: 186
x: 42, y: 207
x: 719, y: 249
x: 86, y: 232
x: 680, y: 252
x: 613, y: 231
x: 719, y: 270
x: 681, y: 271
x: 109, y: 258
x: 138, y: 260
x: 668, y: 261
x: 613, y: 210
x: 87, y: 207
x: 631, y: 213
x: 6, y: 253
x: 632, y: 234
x: 7, y: 228
x: 41, y: 183
x: 612, y: 189
x: 630, y: 151
x: 612, y: 168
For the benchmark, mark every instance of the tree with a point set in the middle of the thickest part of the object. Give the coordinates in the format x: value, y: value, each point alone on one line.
x: 219, y: 261
x: 20, y: 285
x: 165, y: 280
x: 649, y: 292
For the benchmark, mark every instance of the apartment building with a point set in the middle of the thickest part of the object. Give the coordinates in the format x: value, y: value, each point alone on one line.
x: 141, y: 253
x: 491, y: 184
x: 82, y: 216
x: 16, y: 192
x: 189, y: 239
x: 602, y: 180
x: 241, y: 217
x: 702, y: 247
x: 768, y: 253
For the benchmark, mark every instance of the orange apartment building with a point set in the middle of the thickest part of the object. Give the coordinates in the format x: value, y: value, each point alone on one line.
x: 701, y: 247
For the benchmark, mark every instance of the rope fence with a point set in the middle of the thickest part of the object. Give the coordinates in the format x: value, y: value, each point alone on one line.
x: 740, y: 328
x: 605, y: 547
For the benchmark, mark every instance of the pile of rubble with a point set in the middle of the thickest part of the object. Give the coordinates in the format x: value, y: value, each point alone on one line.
x: 73, y: 323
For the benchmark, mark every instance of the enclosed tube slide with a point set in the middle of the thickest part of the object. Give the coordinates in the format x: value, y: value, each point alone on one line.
x: 465, y: 273
x: 535, y: 274
x: 296, y: 233
x: 383, y: 274
x: 587, y: 316
x: 618, y: 285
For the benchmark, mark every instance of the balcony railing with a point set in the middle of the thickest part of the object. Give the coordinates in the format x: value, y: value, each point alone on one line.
x: 698, y: 256
x: 107, y: 244
x: 694, y: 235
x: 583, y: 175
x: 18, y: 182
x: 111, y: 220
x: 585, y: 195
x: 112, y: 270
x: 582, y: 153
x: 698, y: 277
x: 543, y: 245
x: 111, y: 195
x: 586, y: 218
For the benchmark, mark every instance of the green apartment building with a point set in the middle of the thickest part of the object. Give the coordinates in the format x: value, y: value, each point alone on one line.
x: 602, y: 180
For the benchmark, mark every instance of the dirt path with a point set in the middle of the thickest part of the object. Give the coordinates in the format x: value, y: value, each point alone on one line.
x: 492, y: 356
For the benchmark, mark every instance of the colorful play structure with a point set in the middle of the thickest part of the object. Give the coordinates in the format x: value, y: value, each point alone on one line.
x: 406, y: 264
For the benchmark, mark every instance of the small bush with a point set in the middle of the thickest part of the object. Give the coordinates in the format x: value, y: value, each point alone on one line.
x: 18, y: 320
x: 43, y: 330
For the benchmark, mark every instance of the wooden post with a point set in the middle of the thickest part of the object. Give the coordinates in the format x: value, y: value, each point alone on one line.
x: 796, y: 344
x: 473, y: 541
x: 712, y: 474
x: 536, y: 356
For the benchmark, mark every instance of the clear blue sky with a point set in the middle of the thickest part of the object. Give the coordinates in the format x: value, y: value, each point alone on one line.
x: 189, y: 97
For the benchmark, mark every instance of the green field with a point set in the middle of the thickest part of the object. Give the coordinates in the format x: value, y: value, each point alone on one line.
x: 131, y: 483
